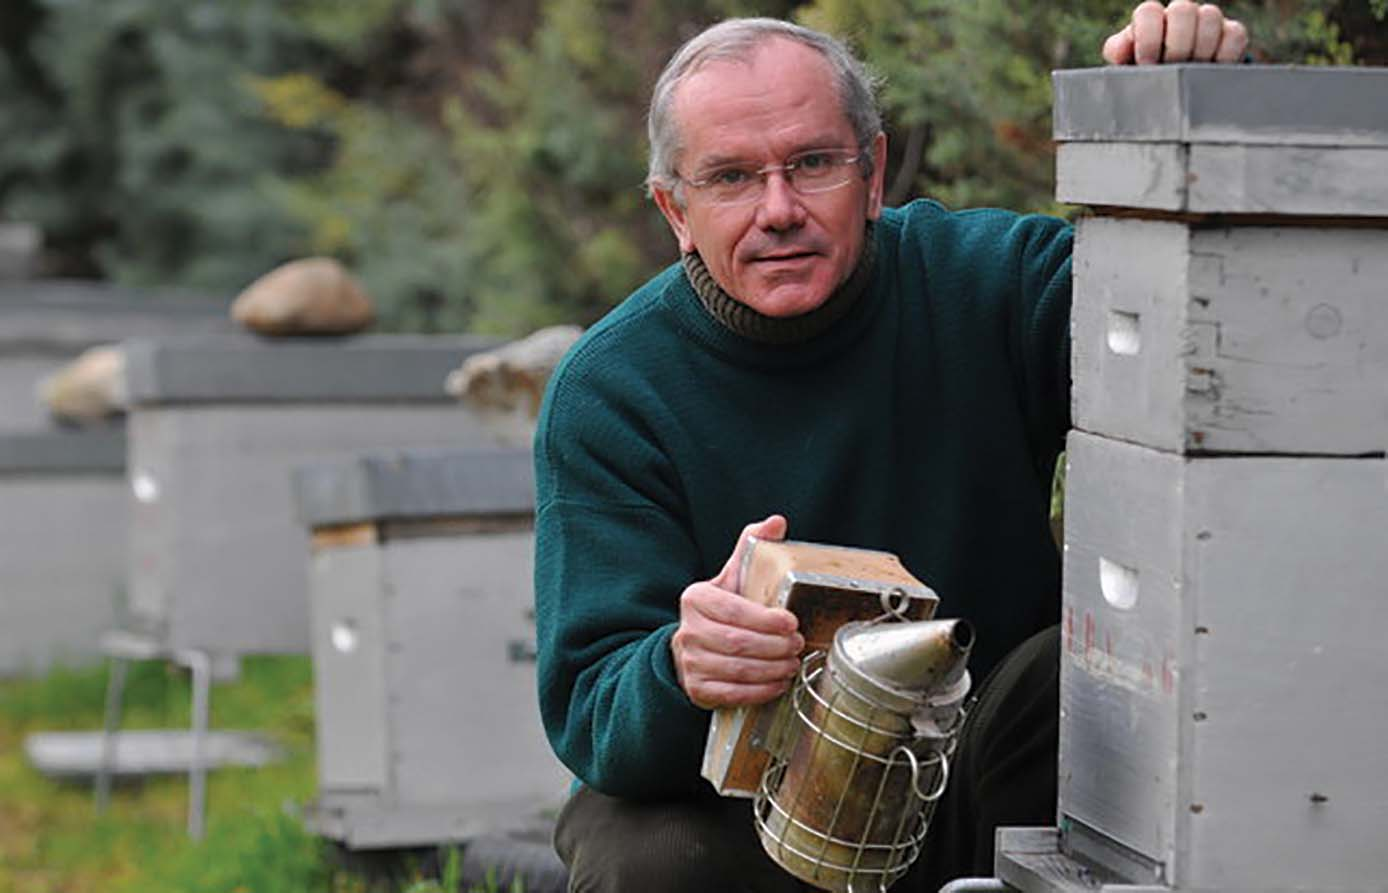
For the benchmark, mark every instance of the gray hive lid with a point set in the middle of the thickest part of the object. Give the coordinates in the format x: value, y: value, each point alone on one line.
x: 250, y: 369
x: 66, y: 316
x: 1244, y: 104
x: 99, y: 451
x: 406, y: 484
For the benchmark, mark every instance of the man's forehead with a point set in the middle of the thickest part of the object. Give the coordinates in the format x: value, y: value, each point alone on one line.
x: 781, y: 85
x: 768, y: 60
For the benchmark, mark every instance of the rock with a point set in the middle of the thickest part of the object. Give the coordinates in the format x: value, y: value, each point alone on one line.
x: 88, y: 390
x: 512, y: 378
x: 311, y: 296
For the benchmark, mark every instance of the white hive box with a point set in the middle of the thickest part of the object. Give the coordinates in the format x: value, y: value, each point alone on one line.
x: 62, y: 556
x: 215, y: 427
x: 1222, y: 715
x: 428, y: 727
x: 1223, y: 712
x: 1250, y: 139
x: 1247, y: 339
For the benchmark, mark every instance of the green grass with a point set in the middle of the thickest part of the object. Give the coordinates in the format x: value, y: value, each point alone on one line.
x: 51, y: 840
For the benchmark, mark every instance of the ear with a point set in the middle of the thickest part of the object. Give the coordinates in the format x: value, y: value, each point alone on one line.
x: 675, y: 216
x: 879, y: 176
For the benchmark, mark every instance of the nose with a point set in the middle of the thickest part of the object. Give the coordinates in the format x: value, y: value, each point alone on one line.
x: 779, y: 209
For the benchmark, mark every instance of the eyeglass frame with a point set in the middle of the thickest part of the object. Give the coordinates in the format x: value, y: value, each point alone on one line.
x: 787, y: 169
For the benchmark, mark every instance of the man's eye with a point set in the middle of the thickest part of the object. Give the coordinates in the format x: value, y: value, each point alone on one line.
x: 729, y: 176
x: 813, y: 161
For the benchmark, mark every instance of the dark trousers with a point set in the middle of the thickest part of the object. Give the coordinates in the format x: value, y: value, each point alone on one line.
x: 1004, y: 774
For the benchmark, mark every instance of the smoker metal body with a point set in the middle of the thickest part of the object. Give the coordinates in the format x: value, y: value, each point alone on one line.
x: 863, y: 753
x: 62, y: 556
x: 1221, y: 707
x: 420, y: 596
x: 215, y: 427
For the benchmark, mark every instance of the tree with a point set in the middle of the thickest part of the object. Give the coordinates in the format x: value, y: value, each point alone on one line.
x: 144, y: 157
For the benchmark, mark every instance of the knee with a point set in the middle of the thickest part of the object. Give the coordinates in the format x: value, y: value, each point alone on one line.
x: 611, y: 845
x: 645, y: 862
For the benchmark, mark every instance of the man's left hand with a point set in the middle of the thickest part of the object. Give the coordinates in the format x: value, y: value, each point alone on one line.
x: 1180, y: 32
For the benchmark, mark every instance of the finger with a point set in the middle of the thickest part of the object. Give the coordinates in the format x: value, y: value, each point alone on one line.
x: 1180, y: 31
x: 712, y: 695
x: 1209, y: 27
x: 705, y: 602
x: 1232, y: 42
x: 1118, y: 49
x: 1149, y: 31
x: 731, y: 641
x: 702, y: 667
x: 770, y: 528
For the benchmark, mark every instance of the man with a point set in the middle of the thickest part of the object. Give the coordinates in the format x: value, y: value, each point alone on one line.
x: 888, y: 378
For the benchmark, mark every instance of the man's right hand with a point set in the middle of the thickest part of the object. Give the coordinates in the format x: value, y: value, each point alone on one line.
x: 730, y: 651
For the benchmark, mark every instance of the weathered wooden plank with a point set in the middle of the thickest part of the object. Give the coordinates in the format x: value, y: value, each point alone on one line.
x: 1131, y: 175
x: 348, y: 643
x: 418, y: 484
x: 240, y: 368
x: 63, y: 452
x: 1246, y: 104
x: 1289, y: 180
x: 1121, y: 638
x: 342, y: 536
x: 1242, y: 340
x: 1225, y: 179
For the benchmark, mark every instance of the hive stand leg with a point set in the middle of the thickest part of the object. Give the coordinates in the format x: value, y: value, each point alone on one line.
x: 115, y: 693
x: 200, y: 663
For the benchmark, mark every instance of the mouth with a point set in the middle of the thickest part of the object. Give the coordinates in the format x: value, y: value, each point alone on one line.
x: 784, y: 257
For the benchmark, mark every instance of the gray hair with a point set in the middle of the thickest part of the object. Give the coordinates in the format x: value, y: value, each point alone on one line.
x: 736, y: 39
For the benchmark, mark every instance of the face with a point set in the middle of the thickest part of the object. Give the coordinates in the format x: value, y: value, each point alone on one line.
x: 784, y: 254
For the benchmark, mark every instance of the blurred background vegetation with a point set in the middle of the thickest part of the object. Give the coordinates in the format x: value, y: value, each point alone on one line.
x: 480, y: 164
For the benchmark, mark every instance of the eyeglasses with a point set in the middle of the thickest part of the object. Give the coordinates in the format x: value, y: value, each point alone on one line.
x: 817, y: 170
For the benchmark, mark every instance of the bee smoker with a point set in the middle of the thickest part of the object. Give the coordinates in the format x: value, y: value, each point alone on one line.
x: 861, y: 751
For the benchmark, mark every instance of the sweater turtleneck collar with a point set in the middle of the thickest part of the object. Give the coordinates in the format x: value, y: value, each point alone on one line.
x: 742, y: 320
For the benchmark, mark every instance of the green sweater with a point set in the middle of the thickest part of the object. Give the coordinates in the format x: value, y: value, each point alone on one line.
x: 926, y: 422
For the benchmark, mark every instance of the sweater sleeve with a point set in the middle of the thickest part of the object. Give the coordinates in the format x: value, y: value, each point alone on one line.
x: 612, y: 556
x: 1041, y: 329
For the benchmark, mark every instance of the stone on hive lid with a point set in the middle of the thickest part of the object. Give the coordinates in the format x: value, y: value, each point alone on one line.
x: 88, y: 390
x: 311, y: 296
x: 512, y: 377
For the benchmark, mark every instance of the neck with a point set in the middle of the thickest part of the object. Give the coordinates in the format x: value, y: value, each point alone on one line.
x: 742, y: 320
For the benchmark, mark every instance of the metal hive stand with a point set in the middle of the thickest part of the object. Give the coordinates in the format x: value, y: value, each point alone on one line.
x: 202, y: 748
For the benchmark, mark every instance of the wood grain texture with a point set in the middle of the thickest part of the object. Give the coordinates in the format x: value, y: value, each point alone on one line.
x: 1231, y: 340
x: 1229, y: 723
x: 1227, y: 179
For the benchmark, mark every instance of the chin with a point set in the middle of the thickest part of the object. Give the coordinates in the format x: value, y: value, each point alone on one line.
x: 786, y: 301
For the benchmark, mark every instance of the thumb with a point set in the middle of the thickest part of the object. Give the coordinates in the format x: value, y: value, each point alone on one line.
x: 772, y: 527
